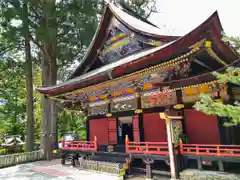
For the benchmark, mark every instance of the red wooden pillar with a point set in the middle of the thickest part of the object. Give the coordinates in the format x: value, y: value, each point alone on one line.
x: 136, y: 130
x: 112, y: 131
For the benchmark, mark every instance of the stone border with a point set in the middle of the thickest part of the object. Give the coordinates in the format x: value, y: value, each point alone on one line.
x: 192, y: 174
x: 19, y: 158
x: 108, y: 167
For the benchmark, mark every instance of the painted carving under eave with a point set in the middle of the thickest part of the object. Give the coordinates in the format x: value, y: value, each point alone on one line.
x: 192, y: 94
x: 126, y: 103
x: 121, y: 42
x: 138, y: 84
x: 158, y: 98
x: 98, y: 108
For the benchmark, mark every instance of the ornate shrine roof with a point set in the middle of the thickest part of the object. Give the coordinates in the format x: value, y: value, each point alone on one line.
x: 112, y: 12
x: 136, y: 24
x: 148, y: 47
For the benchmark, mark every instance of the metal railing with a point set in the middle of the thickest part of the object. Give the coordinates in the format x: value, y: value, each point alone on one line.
x: 19, y: 158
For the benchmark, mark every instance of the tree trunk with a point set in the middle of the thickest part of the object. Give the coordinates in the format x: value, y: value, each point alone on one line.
x: 29, y: 80
x: 45, y: 123
x: 49, y: 77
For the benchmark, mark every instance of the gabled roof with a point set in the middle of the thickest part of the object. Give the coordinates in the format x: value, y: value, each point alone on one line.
x: 211, y: 28
x: 131, y: 22
x: 136, y: 24
x: 109, y: 67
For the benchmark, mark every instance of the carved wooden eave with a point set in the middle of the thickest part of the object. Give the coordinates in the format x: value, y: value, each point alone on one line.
x: 178, y: 49
x: 129, y: 21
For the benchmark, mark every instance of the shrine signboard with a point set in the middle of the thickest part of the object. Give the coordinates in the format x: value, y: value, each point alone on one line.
x: 158, y: 99
x: 192, y: 94
x: 98, y: 108
x: 126, y: 103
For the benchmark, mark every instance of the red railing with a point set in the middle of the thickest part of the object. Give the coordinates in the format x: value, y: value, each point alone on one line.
x: 80, y: 145
x: 210, y: 150
x: 154, y: 148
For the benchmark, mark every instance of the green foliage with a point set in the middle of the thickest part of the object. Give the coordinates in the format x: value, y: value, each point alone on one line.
x: 2, y: 151
x: 208, y: 106
x: 77, y: 23
x: 143, y: 8
x: 12, y: 96
x: 37, y: 82
x: 73, y: 24
x: 69, y: 122
x: 234, y: 41
x: 228, y: 76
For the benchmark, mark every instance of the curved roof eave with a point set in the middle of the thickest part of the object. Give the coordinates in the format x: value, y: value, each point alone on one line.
x: 146, y: 29
x: 105, y: 68
x: 92, y: 42
x: 136, y: 24
x: 212, y: 22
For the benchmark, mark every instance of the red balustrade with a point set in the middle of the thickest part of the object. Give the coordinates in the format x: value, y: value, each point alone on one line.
x: 80, y: 145
x: 154, y: 148
x: 210, y: 150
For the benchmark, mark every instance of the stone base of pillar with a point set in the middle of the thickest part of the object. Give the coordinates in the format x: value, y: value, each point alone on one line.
x: 148, y: 163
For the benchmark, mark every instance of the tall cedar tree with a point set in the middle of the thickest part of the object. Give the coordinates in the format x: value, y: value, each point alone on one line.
x: 58, y: 30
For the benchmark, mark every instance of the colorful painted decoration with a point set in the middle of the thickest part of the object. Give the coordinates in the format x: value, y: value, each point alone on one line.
x: 118, y: 45
x: 139, y: 84
x: 126, y: 103
x: 147, y: 86
x: 122, y: 92
x: 98, y: 108
x: 138, y: 111
x: 158, y: 98
x: 192, y: 94
x: 167, y: 74
x: 177, y: 131
x: 121, y: 41
x: 178, y: 106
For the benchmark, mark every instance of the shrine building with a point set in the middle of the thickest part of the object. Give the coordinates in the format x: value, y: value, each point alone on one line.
x: 131, y: 73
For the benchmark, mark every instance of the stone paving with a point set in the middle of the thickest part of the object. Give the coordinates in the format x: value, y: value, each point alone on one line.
x: 50, y: 171
x: 53, y: 170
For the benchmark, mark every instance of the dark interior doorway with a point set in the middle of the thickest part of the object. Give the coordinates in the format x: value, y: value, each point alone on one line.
x: 127, y: 129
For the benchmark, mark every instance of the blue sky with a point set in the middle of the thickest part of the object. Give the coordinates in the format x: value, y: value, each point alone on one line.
x: 181, y: 16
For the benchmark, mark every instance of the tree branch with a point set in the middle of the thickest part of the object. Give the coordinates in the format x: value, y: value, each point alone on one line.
x: 40, y: 47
